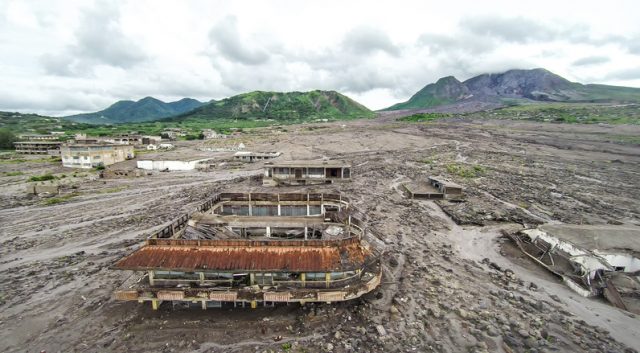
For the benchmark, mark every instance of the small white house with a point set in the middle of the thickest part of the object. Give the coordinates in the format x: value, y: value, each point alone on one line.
x: 152, y: 147
x: 165, y: 146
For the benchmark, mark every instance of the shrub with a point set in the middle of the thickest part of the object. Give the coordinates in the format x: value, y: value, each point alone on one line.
x: 42, y: 177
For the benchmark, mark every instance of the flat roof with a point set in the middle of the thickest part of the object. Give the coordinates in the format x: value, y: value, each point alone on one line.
x: 248, y: 153
x: 421, y: 188
x: 309, y: 163
x: 446, y: 182
x: 245, y: 258
x: 39, y: 142
x: 85, y: 145
x: 604, y: 237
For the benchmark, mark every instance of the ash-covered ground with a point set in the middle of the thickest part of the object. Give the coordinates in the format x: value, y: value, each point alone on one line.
x: 447, y: 285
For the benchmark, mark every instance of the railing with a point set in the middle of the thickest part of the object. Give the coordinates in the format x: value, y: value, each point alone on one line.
x: 181, y: 222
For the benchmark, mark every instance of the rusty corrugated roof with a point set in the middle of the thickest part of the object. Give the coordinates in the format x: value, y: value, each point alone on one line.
x: 246, y: 258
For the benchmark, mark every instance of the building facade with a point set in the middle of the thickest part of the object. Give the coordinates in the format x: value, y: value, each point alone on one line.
x: 306, y: 172
x: 93, y: 155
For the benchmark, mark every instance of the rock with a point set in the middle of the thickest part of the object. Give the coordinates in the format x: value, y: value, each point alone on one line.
x: 381, y: 330
x: 463, y: 313
x: 523, y: 333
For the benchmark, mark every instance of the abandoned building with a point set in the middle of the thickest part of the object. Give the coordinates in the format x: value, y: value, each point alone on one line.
x: 446, y: 186
x: 435, y: 188
x: 246, y: 156
x: 93, y: 155
x: 306, y: 172
x: 38, y: 147
x: 250, y: 248
x: 39, y: 137
x: 592, y: 260
x: 178, y: 163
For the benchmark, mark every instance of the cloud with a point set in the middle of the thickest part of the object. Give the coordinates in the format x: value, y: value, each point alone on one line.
x: 98, y: 40
x: 367, y: 39
x: 591, y: 60
x: 510, y: 29
x: 226, y: 38
x: 625, y: 74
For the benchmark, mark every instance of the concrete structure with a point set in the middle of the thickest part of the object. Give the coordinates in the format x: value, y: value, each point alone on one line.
x: 38, y: 147
x: 210, y: 134
x: 171, y: 165
x: 423, y: 191
x: 445, y: 186
x: 246, y: 156
x: 93, y: 155
x: 592, y: 260
x: 306, y: 172
x: 127, y: 139
x: 250, y: 248
x: 37, y: 137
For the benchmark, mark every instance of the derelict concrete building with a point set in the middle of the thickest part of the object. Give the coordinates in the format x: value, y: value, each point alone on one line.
x: 306, y: 172
x: 250, y: 248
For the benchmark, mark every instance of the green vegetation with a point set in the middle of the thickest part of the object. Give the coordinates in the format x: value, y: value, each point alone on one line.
x: 59, y: 199
x: 44, y: 177
x: 114, y: 189
x: 422, y: 117
x: 446, y: 90
x: 465, y: 171
x: 13, y: 173
x: 286, y: 347
x: 571, y: 113
x: 99, y: 167
x: 7, y: 138
x: 269, y: 107
x: 146, y: 109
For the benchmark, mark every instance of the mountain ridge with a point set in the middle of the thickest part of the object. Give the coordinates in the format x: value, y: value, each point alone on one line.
x: 129, y: 111
x: 284, y: 106
x: 534, y: 84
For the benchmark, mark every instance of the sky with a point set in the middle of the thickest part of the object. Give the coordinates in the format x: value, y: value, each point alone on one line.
x: 64, y: 57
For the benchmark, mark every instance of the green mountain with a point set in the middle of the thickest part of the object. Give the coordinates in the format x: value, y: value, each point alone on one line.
x: 146, y: 109
x: 282, y: 106
x: 514, y: 85
x: 446, y: 90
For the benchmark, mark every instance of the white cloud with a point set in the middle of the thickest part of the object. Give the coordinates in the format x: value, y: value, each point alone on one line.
x: 63, y: 56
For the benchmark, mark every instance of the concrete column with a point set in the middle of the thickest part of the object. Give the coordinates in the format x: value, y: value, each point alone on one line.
x: 303, y: 278
x: 305, y: 233
x: 250, y: 208
x: 151, y: 278
x: 327, y: 278
x: 155, y: 303
x: 268, y: 232
x: 204, y: 305
x: 254, y: 304
x: 279, y: 213
x: 252, y: 278
x: 308, y: 209
x: 201, y: 278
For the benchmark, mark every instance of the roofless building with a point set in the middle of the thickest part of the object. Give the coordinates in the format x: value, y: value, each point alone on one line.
x: 250, y: 248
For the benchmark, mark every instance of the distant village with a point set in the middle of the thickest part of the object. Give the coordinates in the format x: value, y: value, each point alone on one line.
x: 83, y: 151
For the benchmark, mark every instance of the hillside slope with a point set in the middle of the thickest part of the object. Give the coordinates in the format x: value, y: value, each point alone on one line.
x: 535, y: 85
x: 284, y: 106
x: 146, y: 109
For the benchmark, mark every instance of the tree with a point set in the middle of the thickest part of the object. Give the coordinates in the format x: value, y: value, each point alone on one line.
x: 7, y: 138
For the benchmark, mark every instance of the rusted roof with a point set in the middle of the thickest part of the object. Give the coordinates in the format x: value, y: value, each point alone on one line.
x: 245, y: 258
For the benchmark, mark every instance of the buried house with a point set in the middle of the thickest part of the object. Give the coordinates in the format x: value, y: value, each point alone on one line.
x: 250, y: 248
x: 592, y: 260
x: 306, y: 172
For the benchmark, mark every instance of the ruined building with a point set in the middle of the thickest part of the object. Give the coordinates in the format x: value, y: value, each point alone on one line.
x: 251, y: 248
x: 306, y: 172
